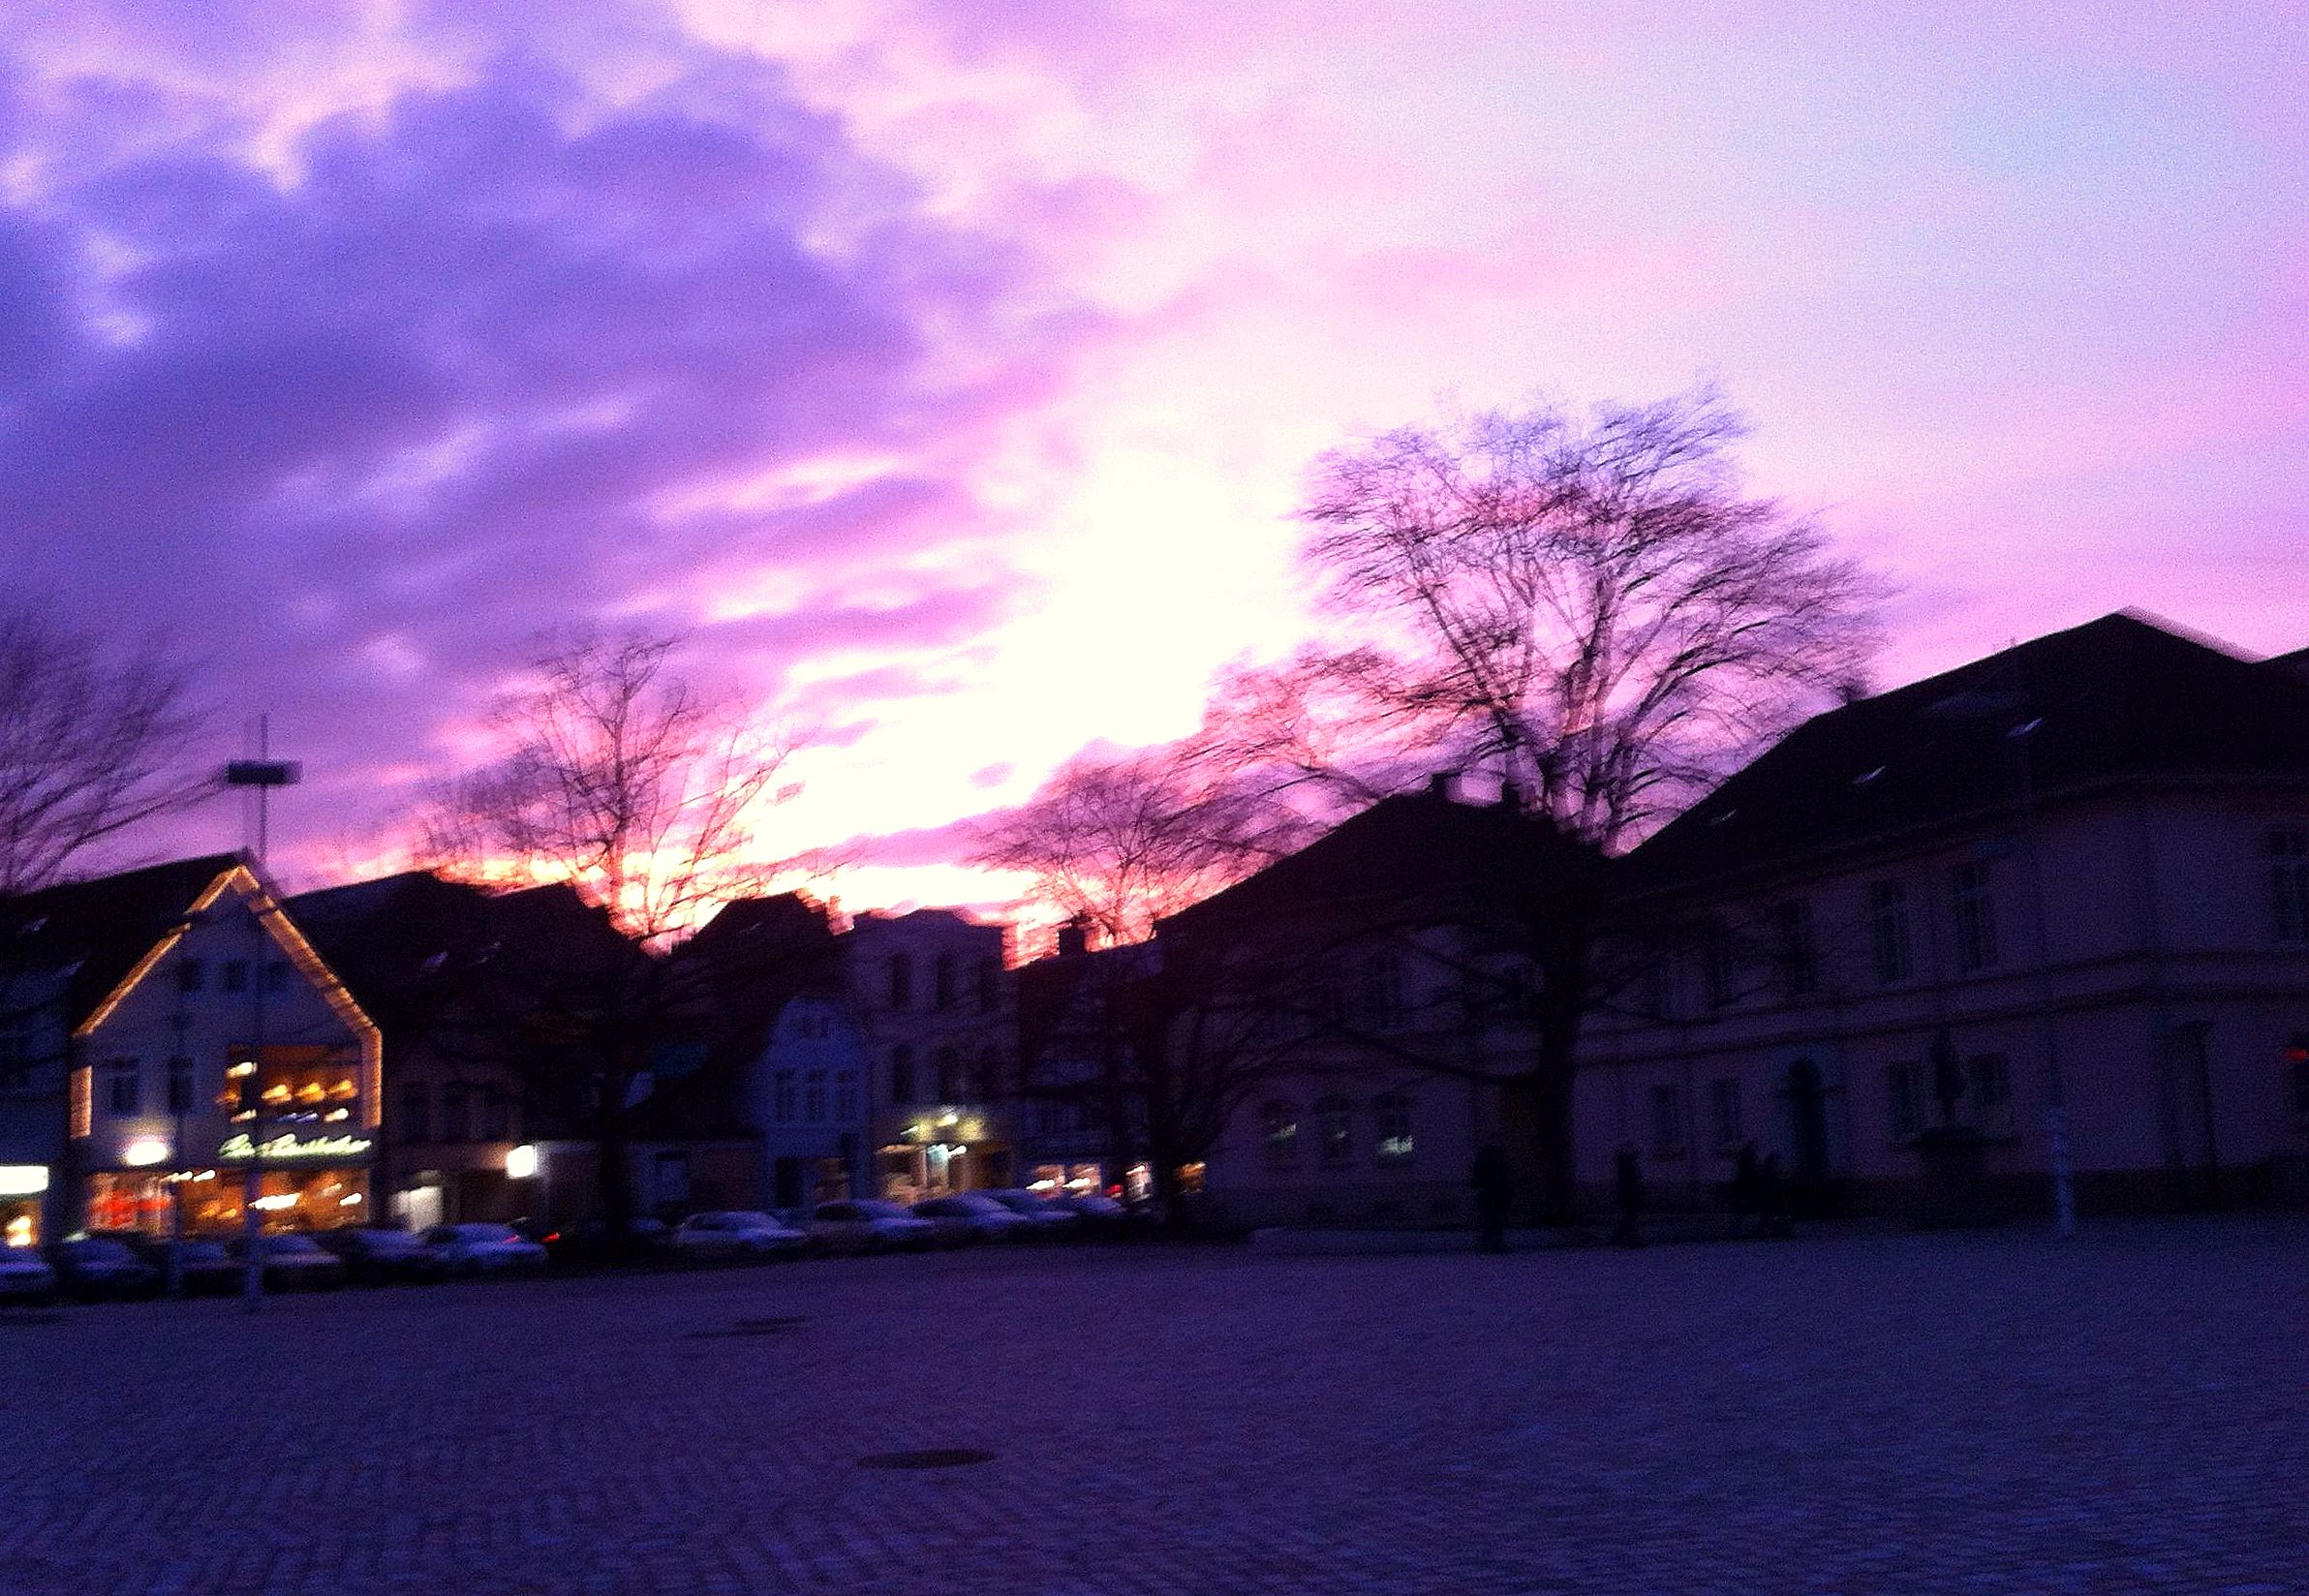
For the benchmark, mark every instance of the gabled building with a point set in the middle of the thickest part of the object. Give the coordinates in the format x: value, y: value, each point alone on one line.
x: 1372, y: 994
x: 194, y: 1031
x: 2073, y: 876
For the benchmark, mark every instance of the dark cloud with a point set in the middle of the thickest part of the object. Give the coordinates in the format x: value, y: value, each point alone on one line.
x: 360, y: 417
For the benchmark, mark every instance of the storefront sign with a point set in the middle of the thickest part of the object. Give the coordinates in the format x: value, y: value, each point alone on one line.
x: 23, y: 1180
x: 291, y: 1148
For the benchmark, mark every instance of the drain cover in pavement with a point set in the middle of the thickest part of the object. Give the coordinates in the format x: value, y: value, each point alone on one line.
x: 927, y: 1457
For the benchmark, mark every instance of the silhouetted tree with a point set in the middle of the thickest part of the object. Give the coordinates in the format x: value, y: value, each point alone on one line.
x: 619, y: 777
x: 1587, y: 608
x: 93, y: 741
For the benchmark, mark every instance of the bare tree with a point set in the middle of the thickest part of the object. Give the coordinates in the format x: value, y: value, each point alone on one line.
x: 621, y: 780
x: 93, y: 743
x: 1588, y: 609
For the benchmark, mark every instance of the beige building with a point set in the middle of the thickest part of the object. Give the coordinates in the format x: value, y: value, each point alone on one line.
x: 2072, y: 877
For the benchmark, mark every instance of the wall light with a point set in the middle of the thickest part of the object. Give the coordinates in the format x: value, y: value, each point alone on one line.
x: 23, y: 1180
x: 144, y: 1150
x: 521, y: 1162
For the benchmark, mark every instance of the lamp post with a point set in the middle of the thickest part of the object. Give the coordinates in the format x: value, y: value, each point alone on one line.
x: 264, y: 774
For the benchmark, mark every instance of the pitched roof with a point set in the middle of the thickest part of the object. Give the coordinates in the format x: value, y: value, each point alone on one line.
x: 1416, y: 846
x: 103, y: 926
x: 2123, y: 696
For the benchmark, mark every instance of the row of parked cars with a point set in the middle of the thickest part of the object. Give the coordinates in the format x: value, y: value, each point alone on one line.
x: 129, y: 1264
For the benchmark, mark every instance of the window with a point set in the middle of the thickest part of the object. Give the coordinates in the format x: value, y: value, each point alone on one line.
x: 416, y: 1112
x: 942, y: 981
x: 235, y: 975
x: 990, y: 985
x: 902, y: 981
x: 986, y: 1083
x: 456, y: 1122
x: 189, y: 976
x: 949, y: 1075
x: 901, y: 1074
x: 813, y: 1096
x: 1383, y: 991
x: 1976, y: 916
x: 1335, y: 1141
x: 1717, y: 975
x: 1652, y: 991
x: 1990, y: 1078
x: 1888, y: 926
x: 123, y: 1085
x: 276, y: 976
x: 1667, y: 1122
x: 1391, y: 1113
x: 2288, y: 883
x: 180, y: 1084
x: 1723, y: 1110
x: 1794, y: 948
x: 496, y: 1115
x: 1279, y: 1127
x: 1904, y: 1096
x: 846, y: 1095
x: 782, y: 1097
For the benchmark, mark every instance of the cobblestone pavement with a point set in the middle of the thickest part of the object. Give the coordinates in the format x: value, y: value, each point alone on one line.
x: 1990, y: 1412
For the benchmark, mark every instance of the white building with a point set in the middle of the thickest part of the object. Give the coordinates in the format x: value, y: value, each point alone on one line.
x: 2073, y: 874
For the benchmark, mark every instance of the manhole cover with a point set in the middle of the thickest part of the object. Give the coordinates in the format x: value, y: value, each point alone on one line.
x: 927, y: 1457
x: 751, y: 1327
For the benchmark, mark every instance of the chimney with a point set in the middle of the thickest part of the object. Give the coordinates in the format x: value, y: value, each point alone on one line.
x: 1074, y: 939
x: 1438, y: 785
x: 1511, y: 798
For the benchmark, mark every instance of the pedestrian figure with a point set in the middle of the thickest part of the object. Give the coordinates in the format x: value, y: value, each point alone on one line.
x: 1493, y: 1183
x: 1627, y: 1174
x: 1772, y: 1215
x: 1746, y: 1198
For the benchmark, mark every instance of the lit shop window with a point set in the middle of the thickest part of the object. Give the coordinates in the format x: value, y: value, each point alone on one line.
x: 1392, y: 1112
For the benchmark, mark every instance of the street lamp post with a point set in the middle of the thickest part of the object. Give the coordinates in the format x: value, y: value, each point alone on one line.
x: 264, y: 774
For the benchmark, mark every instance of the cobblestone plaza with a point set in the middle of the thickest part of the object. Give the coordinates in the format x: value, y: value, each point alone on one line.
x: 1862, y: 1413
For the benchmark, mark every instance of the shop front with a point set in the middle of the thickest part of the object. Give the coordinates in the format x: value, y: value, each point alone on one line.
x: 24, y: 1192
x: 940, y: 1154
x: 288, y: 1199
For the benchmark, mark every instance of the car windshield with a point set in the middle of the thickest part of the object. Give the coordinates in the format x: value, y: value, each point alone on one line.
x: 291, y: 1246
x: 752, y: 1221
x: 977, y: 1202
x: 201, y: 1252
x: 1018, y: 1202
x: 487, y: 1232
x: 97, y: 1250
x: 879, y: 1208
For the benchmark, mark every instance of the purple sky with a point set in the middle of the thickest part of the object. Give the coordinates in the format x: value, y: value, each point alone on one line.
x: 950, y: 367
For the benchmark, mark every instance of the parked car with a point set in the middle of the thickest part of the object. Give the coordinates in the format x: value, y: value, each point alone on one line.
x: 204, y: 1269
x: 485, y: 1249
x: 731, y: 1236
x: 1050, y: 1221
x: 588, y: 1242
x: 295, y: 1262
x: 25, y: 1277
x: 970, y: 1217
x: 93, y: 1268
x: 1102, y: 1216
x: 375, y: 1254
x: 868, y: 1224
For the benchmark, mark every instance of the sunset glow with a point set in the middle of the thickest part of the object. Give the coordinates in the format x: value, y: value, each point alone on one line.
x: 950, y: 370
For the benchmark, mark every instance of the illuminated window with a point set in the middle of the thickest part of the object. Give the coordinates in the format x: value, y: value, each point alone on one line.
x: 1279, y: 1129
x: 1976, y: 916
x: 2288, y: 883
x: 1391, y: 1114
x: 124, y: 1080
x: 1335, y: 1138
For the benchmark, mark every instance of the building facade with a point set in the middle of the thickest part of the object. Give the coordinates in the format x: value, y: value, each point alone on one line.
x: 2056, y: 900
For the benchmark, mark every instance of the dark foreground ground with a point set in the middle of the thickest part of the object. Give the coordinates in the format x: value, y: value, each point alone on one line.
x: 1988, y: 1412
